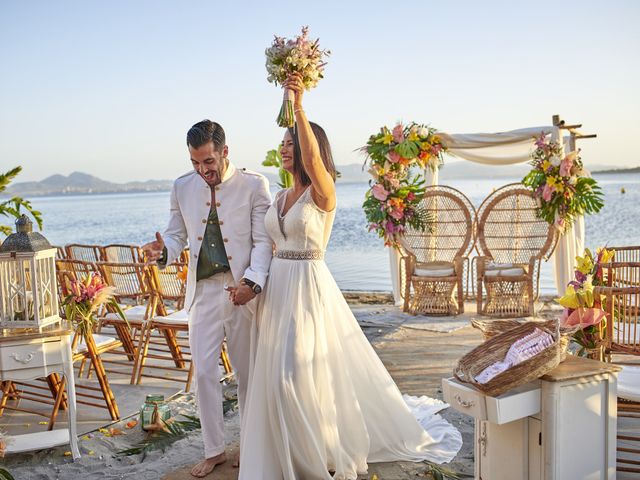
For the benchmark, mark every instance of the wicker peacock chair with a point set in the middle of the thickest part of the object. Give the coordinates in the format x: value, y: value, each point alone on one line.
x: 511, y: 242
x: 433, y: 264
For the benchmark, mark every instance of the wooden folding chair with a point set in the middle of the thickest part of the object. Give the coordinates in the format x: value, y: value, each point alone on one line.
x: 49, y: 391
x: 133, y: 293
x: 622, y: 346
x: 169, y: 348
x: 87, y: 253
x: 121, y: 253
x: 89, y: 348
x: 61, y: 253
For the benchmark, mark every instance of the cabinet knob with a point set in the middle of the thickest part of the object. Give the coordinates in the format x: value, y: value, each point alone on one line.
x: 30, y: 356
x: 464, y: 403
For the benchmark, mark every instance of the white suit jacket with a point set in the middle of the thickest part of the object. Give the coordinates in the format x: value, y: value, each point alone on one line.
x: 242, y: 200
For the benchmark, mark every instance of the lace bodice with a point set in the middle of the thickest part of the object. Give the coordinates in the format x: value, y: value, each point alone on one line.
x: 305, y: 226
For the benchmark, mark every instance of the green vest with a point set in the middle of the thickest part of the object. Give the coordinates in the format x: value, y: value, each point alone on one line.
x: 213, y: 256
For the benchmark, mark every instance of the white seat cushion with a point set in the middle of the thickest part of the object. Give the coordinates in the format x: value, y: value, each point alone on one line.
x: 436, y: 269
x: 493, y: 269
x: 100, y: 341
x: 133, y: 314
x: 176, y: 318
x: 629, y: 383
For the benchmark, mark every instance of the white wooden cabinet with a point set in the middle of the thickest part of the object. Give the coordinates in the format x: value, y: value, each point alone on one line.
x: 561, y: 427
x: 27, y: 355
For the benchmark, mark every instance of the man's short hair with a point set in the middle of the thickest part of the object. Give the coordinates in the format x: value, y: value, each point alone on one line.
x: 204, y: 132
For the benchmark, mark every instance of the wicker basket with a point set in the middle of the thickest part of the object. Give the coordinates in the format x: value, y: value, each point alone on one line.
x: 495, y: 349
x: 490, y: 328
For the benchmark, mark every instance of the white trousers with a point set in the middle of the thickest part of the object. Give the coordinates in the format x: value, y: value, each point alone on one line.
x: 212, y: 317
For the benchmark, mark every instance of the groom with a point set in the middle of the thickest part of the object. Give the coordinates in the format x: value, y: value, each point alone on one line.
x: 218, y: 211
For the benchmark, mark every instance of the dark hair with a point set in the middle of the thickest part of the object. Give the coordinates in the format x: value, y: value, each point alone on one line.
x: 204, y: 132
x: 325, y: 153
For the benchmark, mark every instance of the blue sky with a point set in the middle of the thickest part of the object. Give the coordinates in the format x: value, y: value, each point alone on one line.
x: 110, y: 88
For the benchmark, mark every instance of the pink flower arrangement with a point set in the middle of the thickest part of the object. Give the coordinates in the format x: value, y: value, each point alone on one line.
x: 582, y: 308
x: 379, y: 192
x: 392, y: 201
x: 299, y: 55
x: 85, y: 297
x: 559, y: 184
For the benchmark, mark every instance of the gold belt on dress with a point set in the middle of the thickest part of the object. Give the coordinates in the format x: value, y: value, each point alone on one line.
x: 300, y: 254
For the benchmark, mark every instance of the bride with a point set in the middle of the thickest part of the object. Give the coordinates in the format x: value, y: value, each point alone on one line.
x: 320, y: 403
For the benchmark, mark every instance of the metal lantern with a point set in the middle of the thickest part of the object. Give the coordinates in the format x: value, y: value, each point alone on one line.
x: 28, y: 287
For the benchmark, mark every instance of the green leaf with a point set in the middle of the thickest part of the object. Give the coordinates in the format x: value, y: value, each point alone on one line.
x: 408, y: 149
x: 6, y: 178
x: 273, y: 159
x: 5, y: 475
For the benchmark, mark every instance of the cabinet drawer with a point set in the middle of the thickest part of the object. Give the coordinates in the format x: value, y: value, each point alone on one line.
x: 30, y: 355
x: 464, y: 399
x: 517, y: 403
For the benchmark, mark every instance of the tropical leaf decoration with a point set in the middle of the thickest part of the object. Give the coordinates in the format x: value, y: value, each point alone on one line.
x: 160, y: 440
x: 395, y: 157
x: 274, y: 159
x: 561, y: 185
x: 13, y: 207
x: 5, y: 475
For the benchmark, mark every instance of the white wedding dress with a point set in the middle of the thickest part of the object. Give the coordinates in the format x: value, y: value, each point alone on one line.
x: 319, y: 397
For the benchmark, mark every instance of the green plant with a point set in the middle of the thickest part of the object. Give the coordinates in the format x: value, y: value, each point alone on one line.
x: 162, y: 439
x: 13, y: 206
x: 5, y: 475
x: 438, y: 472
x: 274, y: 159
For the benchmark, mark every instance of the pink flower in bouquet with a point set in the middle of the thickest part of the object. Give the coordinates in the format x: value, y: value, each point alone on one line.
x: 393, y: 156
x: 398, y: 134
x: 397, y: 213
x: 410, y: 197
x: 379, y: 192
x: 547, y: 193
x: 390, y: 227
x: 541, y: 142
x: 559, y: 222
x: 582, y: 317
x: 393, y: 182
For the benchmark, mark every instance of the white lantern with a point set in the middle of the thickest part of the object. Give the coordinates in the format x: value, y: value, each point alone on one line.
x: 28, y: 287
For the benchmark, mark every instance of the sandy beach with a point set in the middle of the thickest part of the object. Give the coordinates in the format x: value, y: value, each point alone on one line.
x: 417, y: 351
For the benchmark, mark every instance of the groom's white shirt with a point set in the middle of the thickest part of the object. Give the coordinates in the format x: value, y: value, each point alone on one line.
x: 242, y: 199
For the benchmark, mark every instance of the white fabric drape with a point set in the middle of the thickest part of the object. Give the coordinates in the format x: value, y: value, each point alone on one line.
x: 503, y: 148
x: 571, y: 243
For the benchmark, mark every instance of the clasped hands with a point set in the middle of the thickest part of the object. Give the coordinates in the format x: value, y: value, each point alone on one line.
x: 241, y: 294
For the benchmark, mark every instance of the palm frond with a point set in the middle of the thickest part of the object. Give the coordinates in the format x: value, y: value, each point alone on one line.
x: 438, y: 472
x: 160, y: 440
x: 6, y: 178
x: 5, y: 475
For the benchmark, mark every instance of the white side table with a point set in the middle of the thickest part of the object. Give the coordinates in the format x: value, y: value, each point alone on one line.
x: 561, y: 427
x: 27, y: 355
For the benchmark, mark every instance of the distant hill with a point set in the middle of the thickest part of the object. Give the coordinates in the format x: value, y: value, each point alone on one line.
x: 619, y: 170
x: 82, y: 183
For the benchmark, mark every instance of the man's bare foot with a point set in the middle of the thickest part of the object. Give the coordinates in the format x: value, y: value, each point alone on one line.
x: 206, y: 466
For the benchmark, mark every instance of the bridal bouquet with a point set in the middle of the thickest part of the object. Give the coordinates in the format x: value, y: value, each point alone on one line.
x: 299, y: 55
x: 87, y: 296
x: 561, y: 185
x: 582, y: 309
x: 393, y: 200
